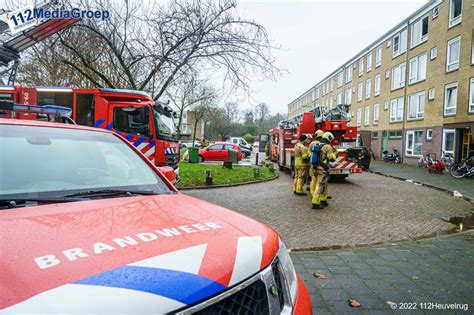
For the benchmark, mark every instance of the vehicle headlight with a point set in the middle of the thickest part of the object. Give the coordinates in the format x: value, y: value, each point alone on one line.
x: 289, y: 271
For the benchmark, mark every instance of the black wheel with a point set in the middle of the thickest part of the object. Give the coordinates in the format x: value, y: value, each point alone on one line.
x: 200, y: 159
x: 456, y: 171
x: 244, y: 155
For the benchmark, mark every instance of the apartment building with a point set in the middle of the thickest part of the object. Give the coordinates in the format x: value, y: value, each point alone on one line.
x: 188, y: 123
x: 413, y: 88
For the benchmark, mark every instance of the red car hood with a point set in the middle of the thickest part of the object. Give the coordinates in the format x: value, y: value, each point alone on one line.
x: 135, y: 254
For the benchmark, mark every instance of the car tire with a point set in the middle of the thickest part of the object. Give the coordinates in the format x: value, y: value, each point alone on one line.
x: 244, y: 155
x: 201, y: 159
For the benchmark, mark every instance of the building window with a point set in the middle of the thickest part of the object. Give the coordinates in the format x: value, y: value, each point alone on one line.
x: 377, y: 85
x: 359, y: 92
x: 419, y: 31
x: 448, y: 141
x: 375, y: 135
x: 429, y: 134
x: 330, y: 102
x: 452, y: 56
x: 396, y: 109
x: 378, y: 56
x: 434, y: 53
x: 472, y: 49
x: 348, y: 96
x: 417, y: 69
x: 399, y: 43
x: 369, y: 62
x: 416, y: 106
x: 340, y: 77
x: 376, y: 114
x: 471, y: 96
x: 359, y: 117
x: 394, y: 134
x: 435, y: 13
x: 349, y: 74
x: 329, y: 85
x: 339, y: 98
x: 455, y: 12
x: 431, y: 94
x: 367, y: 88
x: 398, y: 76
x: 367, y: 116
x: 361, y: 66
x: 414, y: 142
x: 450, y: 99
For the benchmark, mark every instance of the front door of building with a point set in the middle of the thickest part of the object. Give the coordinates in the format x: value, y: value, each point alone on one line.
x: 384, y: 140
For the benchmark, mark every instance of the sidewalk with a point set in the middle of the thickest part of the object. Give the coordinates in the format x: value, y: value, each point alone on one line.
x: 421, y: 175
x: 437, y: 270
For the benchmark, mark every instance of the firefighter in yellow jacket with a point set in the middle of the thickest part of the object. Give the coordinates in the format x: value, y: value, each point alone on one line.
x: 301, y: 165
x: 318, y: 136
x: 326, y: 154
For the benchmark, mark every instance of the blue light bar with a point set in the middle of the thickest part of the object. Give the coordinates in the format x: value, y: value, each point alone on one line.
x: 59, y: 111
x: 107, y: 90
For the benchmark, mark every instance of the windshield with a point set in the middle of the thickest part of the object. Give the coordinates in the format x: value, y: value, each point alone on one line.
x: 54, y: 162
x: 165, y: 126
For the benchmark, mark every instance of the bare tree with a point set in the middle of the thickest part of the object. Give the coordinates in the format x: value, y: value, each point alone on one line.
x: 186, y: 93
x: 149, y: 45
x: 232, y: 111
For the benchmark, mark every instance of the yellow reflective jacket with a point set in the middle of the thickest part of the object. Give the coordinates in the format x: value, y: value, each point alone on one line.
x: 301, y: 155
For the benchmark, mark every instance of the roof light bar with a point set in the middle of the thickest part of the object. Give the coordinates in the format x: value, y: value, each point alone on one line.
x: 59, y: 111
x: 7, y: 87
x: 53, y: 89
x: 107, y: 90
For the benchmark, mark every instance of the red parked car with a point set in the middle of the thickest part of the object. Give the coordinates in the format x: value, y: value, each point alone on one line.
x: 218, y: 151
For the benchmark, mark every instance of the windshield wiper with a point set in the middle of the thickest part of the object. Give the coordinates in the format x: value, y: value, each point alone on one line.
x: 23, y: 202
x: 110, y: 192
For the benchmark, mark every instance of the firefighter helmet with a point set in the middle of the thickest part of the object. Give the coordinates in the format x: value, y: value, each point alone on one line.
x: 328, y: 136
x: 319, y: 133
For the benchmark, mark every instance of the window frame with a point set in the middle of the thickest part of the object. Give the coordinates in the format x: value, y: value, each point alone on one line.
x: 378, y: 78
x: 407, y: 148
x: 360, y: 91
x: 359, y: 117
x: 453, y: 21
x: 361, y: 66
x: 348, y: 70
x: 369, y: 61
x: 418, y: 96
x: 422, y: 38
x: 367, y: 116
x: 449, y: 51
x: 430, y: 132
x: 443, y: 141
x: 376, y: 114
x: 368, y: 88
x: 396, y: 118
x: 446, y: 87
x: 401, y: 48
x: 401, y: 83
x: 378, y: 56
x: 470, y: 107
x: 419, y: 76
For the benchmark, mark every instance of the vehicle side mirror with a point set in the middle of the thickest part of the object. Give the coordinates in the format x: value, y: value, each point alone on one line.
x: 169, y: 173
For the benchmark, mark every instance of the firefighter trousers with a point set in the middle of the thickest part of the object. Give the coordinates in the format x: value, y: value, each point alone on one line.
x: 301, y: 176
x: 319, y: 186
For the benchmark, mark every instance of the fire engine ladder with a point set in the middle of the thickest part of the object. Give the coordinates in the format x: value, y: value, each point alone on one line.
x: 11, y: 45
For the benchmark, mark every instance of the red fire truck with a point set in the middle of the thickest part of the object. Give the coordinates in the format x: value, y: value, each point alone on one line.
x: 149, y: 125
x: 334, y: 120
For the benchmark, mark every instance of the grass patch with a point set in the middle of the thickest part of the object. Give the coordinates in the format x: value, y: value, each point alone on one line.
x: 194, y: 174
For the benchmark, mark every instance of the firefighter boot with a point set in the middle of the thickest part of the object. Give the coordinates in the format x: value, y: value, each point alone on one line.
x: 316, y: 206
x: 324, y: 203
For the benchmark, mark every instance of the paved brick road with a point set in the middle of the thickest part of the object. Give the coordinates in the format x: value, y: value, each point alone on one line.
x: 436, y: 270
x: 463, y: 185
x: 367, y: 208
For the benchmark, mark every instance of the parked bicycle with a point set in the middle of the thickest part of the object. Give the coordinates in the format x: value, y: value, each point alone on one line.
x: 448, y: 159
x: 391, y: 157
x: 463, y: 169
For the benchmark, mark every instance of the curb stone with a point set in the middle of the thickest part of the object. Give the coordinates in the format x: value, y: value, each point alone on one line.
x: 230, y: 185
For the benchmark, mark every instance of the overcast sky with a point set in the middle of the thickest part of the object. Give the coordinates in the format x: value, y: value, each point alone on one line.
x: 317, y: 37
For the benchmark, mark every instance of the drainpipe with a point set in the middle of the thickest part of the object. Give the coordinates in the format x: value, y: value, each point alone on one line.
x: 405, y: 101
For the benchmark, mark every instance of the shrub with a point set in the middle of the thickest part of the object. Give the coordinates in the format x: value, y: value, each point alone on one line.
x: 248, y: 137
